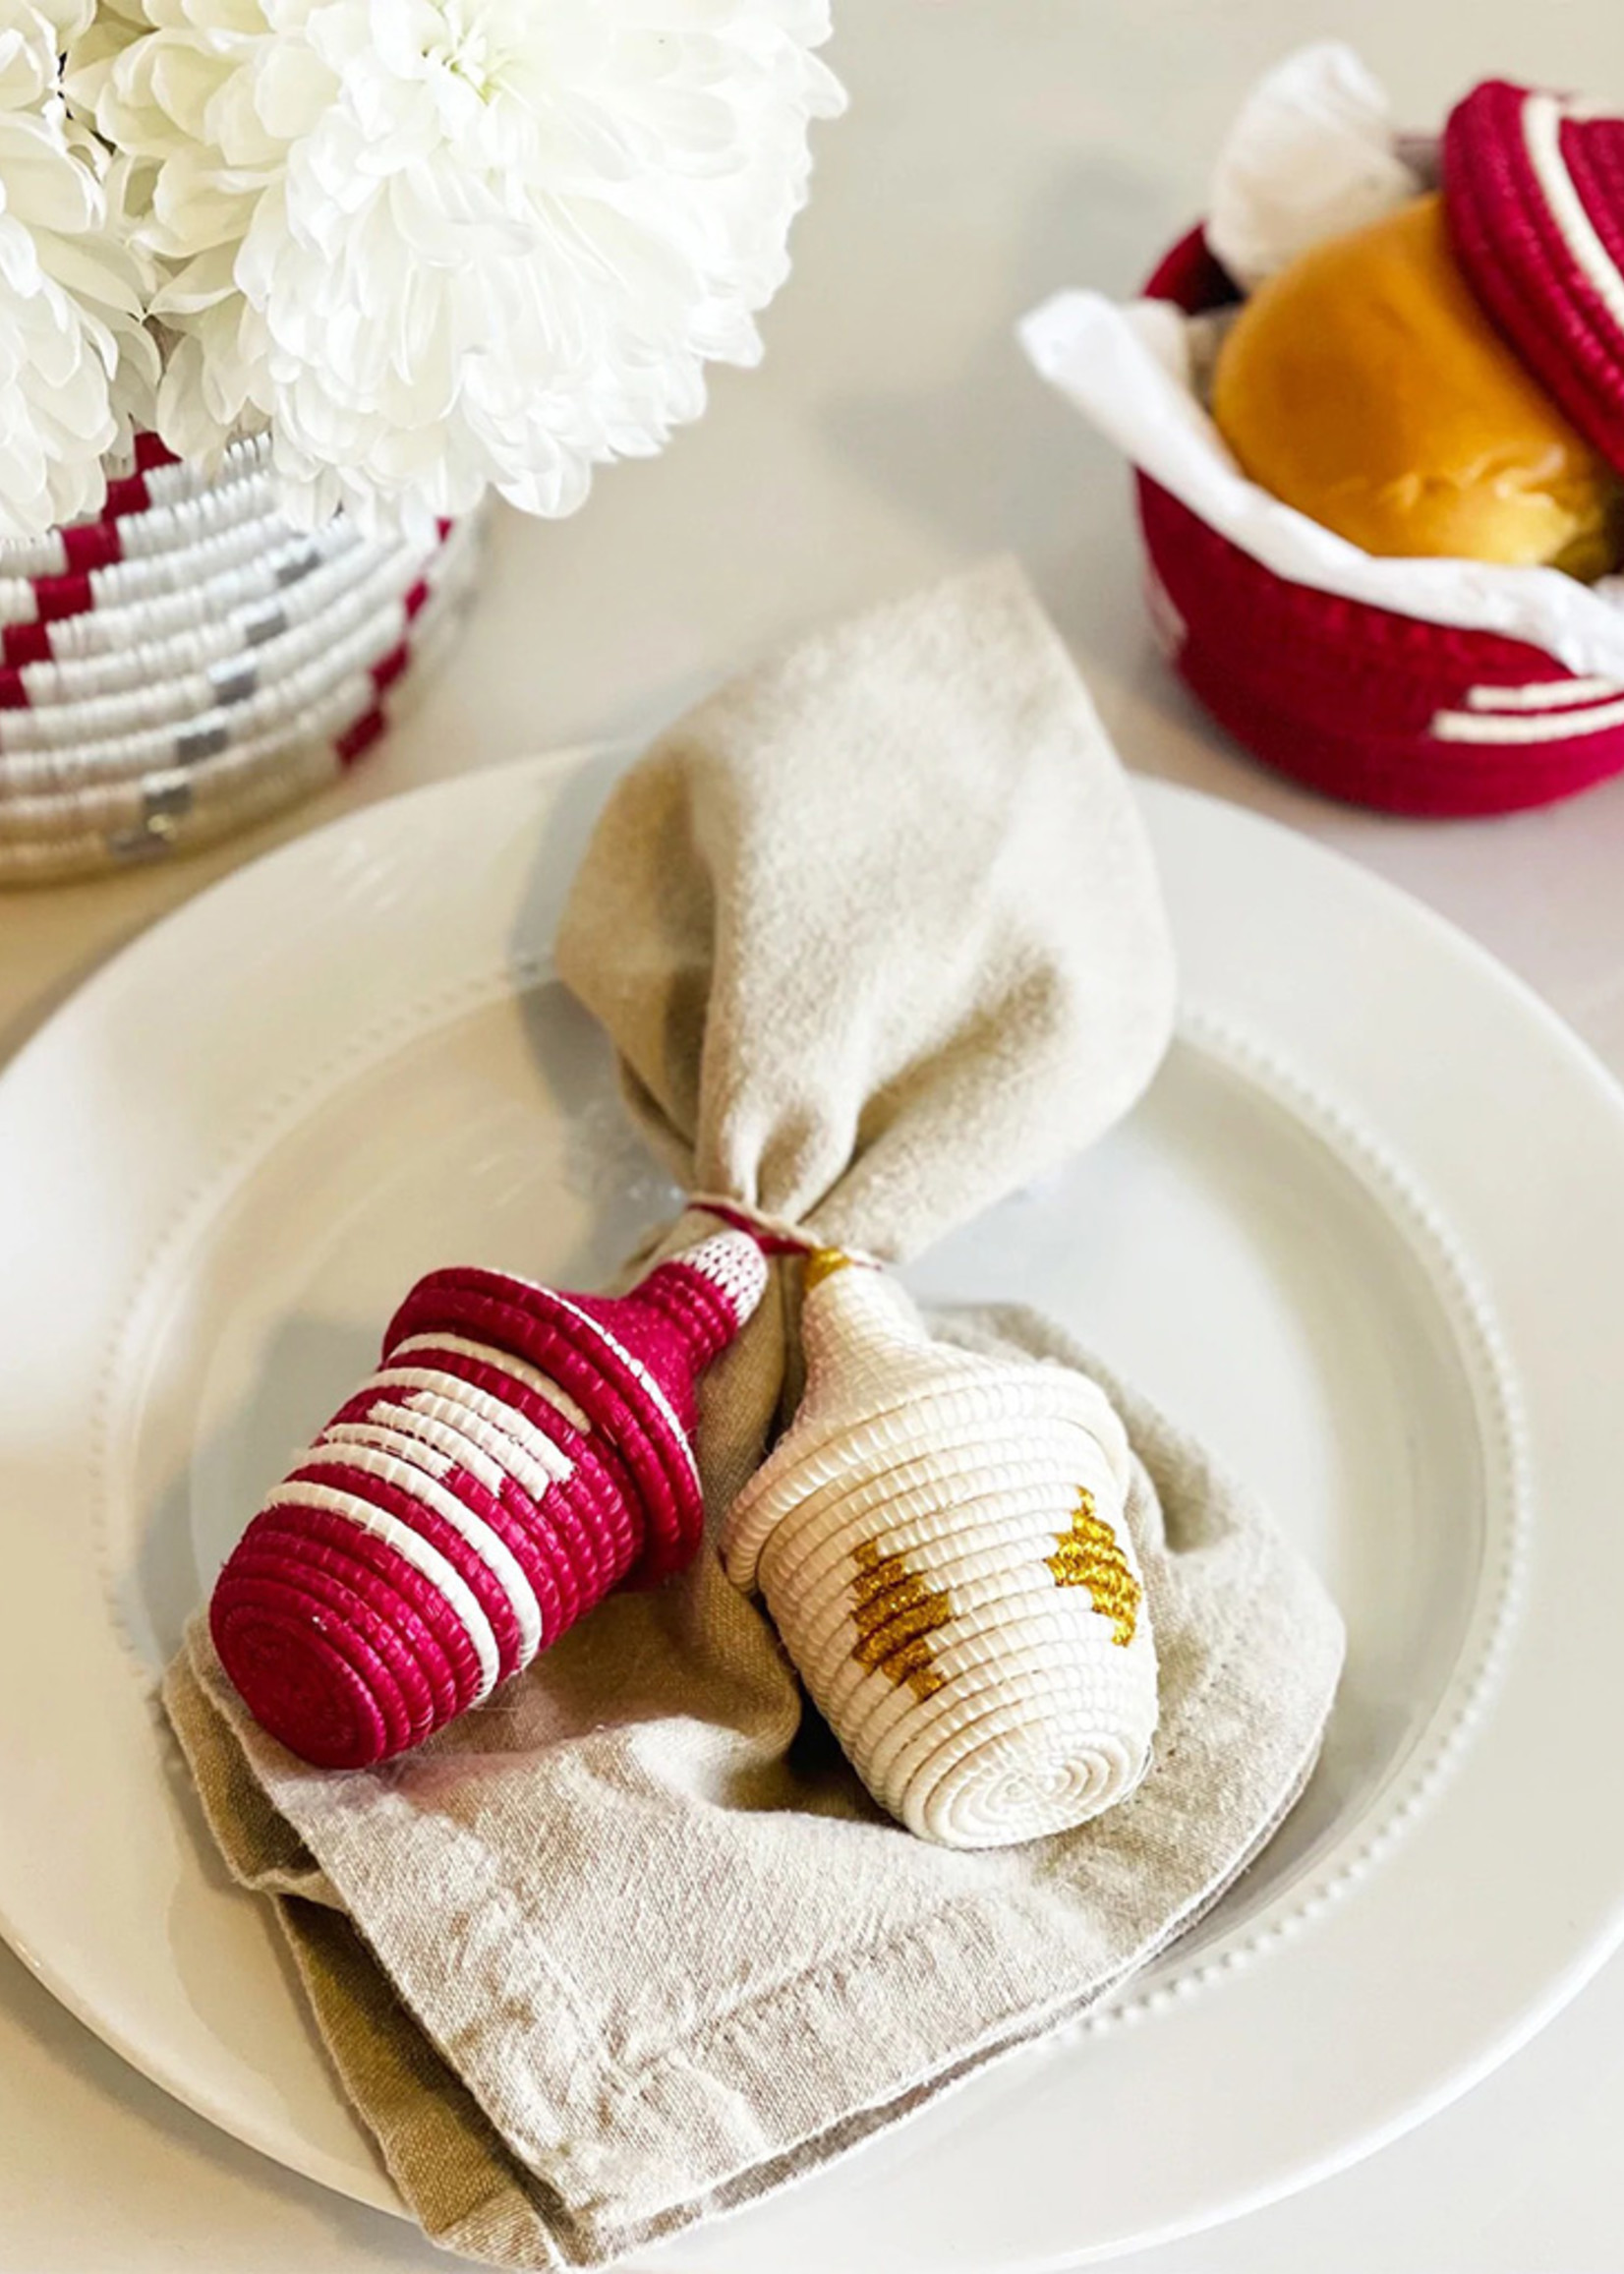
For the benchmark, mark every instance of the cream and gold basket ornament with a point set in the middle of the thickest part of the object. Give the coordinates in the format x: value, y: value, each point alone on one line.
x: 941, y: 1543
x: 190, y: 662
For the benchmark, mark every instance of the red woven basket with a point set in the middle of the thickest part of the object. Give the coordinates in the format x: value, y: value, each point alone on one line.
x: 1361, y: 703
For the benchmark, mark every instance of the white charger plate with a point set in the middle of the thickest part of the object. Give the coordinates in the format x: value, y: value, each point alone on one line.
x: 1364, y: 1233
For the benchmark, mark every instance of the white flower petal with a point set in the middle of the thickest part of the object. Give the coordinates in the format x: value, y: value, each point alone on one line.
x: 78, y: 367
x: 449, y: 245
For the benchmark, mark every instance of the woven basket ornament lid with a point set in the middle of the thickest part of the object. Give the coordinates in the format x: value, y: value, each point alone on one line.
x: 1534, y: 186
x: 518, y: 1453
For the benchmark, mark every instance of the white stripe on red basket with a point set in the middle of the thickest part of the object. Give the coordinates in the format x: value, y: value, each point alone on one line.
x: 1529, y: 722
x: 509, y: 1434
x: 401, y: 1464
x: 1543, y: 118
x: 437, y: 1569
x: 1545, y: 695
x: 531, y: 1378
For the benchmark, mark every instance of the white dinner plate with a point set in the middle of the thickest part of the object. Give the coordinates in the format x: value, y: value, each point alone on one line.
x: 1366, y: 1234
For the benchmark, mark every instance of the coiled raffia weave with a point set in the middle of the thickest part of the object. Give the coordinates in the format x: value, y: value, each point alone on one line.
x: 941, y: 1543
x: 188, y: 661
x: 1365, y: 703
x: 518, y: 1453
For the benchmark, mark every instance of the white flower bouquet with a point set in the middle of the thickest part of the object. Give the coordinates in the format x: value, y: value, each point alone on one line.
x: 287, y: 287
x: 429, y: 247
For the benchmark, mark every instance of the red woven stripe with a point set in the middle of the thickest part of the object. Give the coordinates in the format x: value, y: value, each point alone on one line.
x: 337, y: 1642
x: 14, y: 695
x: 654, y: 1325
x: 361, y: 736
x: 1342, y: 696
x: 1414, y: 775
x: 151, y: 454
x: 56, y: 596
x: 1512, y: 249
x: 1320, y: 650
x: 617, y: 1514
x: 322, y: 1694
x: 530, y: 1322
x: 585, y: 1528
x: 417, y: 599
x: 694, y: 1304
x: 741, y: 1219
x: 92, y: 545
x: 127, y: 496
x: 26, y: 643
x: 1595, y: 152
x: 284, y: 1611
x: 597, y: 1516
x: 390, y: 668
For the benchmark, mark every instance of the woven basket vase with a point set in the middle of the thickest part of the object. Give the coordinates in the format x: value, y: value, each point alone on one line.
x: 188, y: 661
x: 1363, y: 703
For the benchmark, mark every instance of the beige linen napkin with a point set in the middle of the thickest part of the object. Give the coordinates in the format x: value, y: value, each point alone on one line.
x: 877, y: 934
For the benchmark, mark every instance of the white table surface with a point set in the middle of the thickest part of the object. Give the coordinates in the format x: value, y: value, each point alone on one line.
x: 994, y: 149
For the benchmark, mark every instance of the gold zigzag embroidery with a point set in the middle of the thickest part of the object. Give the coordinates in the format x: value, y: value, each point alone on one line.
x: 897, y: 1613
x: 1088, y: 1556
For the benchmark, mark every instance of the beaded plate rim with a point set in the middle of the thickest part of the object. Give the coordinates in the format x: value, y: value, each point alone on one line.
x: 1230, y: 2170
x: 1422, y: 1773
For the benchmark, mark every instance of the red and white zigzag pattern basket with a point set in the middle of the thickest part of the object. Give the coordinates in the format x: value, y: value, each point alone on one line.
x: 188, y: 662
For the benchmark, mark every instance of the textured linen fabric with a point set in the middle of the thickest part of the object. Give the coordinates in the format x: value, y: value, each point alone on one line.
x: 878, y: 936
x: 876, y: 929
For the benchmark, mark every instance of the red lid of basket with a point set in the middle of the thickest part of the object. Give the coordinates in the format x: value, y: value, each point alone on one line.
x: 1534, y: 184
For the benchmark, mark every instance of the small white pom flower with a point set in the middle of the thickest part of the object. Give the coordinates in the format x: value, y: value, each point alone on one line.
x: 77, y: 369
x: 442, y: 245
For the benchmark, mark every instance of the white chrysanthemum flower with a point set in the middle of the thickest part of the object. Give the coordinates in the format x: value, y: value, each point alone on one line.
x: 441, y: 246
x: 77, y: 369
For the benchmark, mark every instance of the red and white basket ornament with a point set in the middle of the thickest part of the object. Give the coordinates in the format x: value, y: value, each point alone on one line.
x: 518, y: 1453
x: 1370, y: 704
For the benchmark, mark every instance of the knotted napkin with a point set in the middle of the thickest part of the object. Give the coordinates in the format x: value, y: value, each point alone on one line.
x: 877, y: 934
